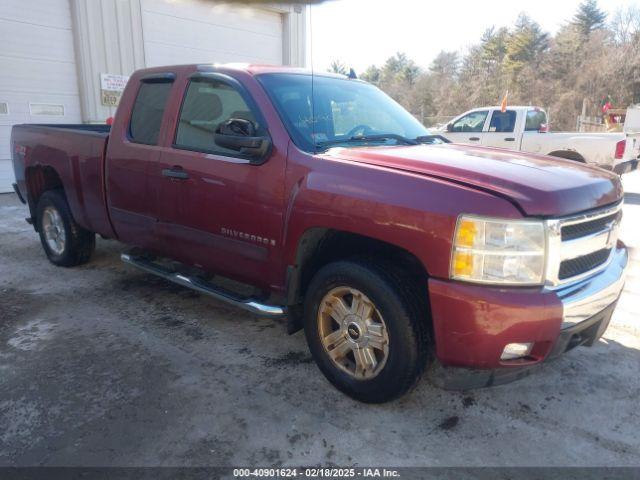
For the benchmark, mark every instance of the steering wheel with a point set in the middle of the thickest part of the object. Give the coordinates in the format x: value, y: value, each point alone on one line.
x: 366, y: 130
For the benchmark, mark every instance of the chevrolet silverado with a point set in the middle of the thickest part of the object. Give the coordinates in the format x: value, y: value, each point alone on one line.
x: 318, y: 199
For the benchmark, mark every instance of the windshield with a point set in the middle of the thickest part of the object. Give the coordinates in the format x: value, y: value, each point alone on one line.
x: 344, y: 112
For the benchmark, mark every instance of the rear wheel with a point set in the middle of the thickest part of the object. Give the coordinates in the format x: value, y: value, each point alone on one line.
x: 365, y: 330
x: 65, y: 243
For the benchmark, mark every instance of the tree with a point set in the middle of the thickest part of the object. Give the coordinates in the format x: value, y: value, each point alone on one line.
x: 524, y: 45
x: 556, y: 72
x: 371, y: 74
x: 589, y: 17
x: 626, y: 25
x: 445, y: 64
x: 338, y: 67
x: 493, y: 46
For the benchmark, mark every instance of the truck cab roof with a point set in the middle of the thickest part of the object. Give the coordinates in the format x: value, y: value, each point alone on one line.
x: 251, y: 69
x: 509, y: 107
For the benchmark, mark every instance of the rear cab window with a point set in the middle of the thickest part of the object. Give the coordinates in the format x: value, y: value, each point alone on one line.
x: 148, y: 110
x: 536, y: 120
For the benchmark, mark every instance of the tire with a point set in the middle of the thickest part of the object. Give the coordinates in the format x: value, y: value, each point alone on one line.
x: 65, y: 243
x: 396, y: 305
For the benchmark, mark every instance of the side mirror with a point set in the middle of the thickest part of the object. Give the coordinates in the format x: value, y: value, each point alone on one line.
x: 544, y: 128
x: 449, y: 127
x: 239, y: 135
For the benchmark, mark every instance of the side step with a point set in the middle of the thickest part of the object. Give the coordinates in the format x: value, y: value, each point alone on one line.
x: 248, y: 304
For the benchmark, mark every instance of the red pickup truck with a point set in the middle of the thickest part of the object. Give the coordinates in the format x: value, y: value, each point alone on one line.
x: 324, y: 202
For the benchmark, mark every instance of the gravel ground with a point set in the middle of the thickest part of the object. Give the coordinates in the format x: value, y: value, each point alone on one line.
x: 105, y: 366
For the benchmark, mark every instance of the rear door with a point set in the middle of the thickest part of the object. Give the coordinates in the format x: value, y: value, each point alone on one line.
x: 132, y: 156
x: 501, y: 130
x: 217, y: 210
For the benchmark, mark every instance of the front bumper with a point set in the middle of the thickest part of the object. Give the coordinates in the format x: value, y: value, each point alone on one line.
x: 473, y: 324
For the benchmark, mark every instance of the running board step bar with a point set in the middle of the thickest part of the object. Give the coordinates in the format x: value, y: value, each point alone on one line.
x: 248, y: 304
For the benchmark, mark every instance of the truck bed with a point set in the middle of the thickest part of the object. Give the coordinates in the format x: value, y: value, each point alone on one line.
x: 76, y: 152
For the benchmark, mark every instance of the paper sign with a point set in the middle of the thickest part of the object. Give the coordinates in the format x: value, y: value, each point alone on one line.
x: 111, y: 88
x: 113, y: 82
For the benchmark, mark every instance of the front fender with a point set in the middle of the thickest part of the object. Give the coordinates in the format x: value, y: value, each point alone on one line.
x: 414, y: 212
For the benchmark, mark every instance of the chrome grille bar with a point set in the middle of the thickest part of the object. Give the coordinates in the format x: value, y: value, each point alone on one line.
x: 559, y: 251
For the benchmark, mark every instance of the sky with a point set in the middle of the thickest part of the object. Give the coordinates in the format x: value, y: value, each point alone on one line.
x: 365, y: 32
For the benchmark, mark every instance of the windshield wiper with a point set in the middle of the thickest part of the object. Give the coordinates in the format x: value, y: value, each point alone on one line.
x: 432, y: 139
x: 369, y: 138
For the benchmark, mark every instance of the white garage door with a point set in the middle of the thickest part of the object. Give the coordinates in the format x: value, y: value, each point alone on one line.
x: 38, y: 82
x: 203, y: 31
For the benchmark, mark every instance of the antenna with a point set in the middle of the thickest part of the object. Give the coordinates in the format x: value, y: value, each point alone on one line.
x: 313, y: 116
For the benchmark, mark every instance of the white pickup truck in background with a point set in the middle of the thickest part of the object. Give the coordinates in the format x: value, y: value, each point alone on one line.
x: 526, y: 129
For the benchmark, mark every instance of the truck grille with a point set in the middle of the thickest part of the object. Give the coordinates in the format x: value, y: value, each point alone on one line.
x: 580, y: 265
x: 577, y: 230
x: 581, y: 245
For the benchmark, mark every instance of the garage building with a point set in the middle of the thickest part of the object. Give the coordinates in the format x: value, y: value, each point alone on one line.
x: 58, y: 56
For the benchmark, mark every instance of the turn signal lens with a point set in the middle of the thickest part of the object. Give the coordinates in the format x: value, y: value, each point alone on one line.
x: 466, y: 233
x: 498, y: 251
x: 463, y: 265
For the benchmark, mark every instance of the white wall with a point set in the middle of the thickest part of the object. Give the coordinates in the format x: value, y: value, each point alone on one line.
x: 120, y: 36
x: 208, y: 32
x: 37, y: 65
x: 108, y: 39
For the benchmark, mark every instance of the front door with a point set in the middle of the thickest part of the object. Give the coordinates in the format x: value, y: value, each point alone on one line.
x: 219, y: 210
x: 468, y: 128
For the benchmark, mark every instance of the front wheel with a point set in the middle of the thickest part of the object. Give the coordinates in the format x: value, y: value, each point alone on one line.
x: 65, y: 242
x: 366, y: 330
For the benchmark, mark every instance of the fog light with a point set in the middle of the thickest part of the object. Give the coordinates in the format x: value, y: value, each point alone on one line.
x: 516, y: 350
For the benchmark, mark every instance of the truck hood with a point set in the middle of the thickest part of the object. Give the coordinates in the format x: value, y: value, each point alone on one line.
x: 539, y: 185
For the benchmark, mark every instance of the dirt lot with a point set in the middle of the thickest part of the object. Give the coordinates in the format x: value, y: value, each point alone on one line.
x: 104, y: 365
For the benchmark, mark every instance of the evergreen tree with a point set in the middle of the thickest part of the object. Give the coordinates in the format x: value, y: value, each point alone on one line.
x: 494, y: 47
x: 371, y: 74
x: 589, y: 17
x: 524, y: 45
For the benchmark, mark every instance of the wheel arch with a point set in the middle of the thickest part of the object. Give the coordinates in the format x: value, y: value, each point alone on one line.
x: 40, y: 179
x: 568, y: 155
x: 318, y: 247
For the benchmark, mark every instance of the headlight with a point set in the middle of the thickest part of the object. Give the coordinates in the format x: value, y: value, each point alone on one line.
x: 498, y: 251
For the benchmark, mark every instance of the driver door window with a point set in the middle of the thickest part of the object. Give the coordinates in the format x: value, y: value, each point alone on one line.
x: 473, y: 122
x: 468, y: 129
x: 206, y: 105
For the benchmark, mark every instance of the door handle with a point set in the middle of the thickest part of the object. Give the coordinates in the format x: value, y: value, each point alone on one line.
x: 474, y: 139
x: 510, y: 139
x: 175, y: 172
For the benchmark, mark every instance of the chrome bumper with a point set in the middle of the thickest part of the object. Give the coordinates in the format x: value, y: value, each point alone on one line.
x: 586, y: 298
